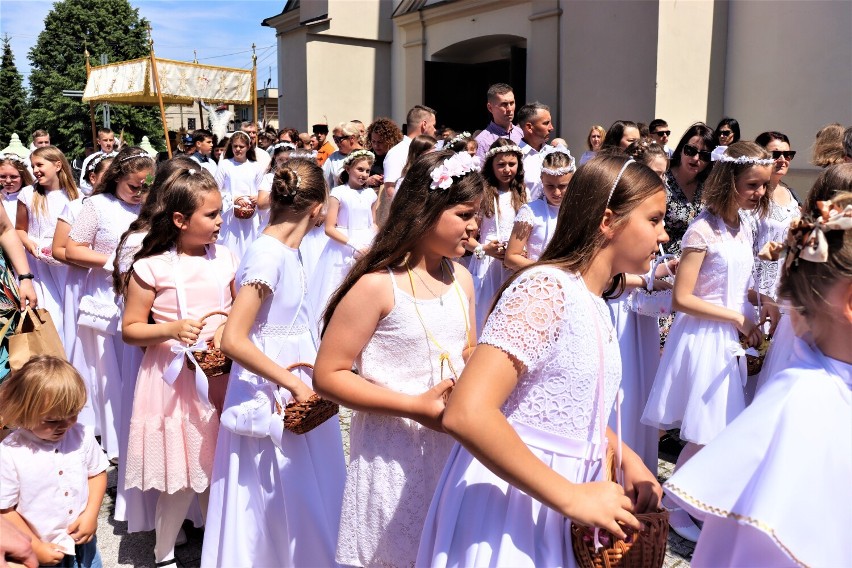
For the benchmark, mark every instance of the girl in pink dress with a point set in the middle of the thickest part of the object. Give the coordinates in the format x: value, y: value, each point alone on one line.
x: 178, y: 276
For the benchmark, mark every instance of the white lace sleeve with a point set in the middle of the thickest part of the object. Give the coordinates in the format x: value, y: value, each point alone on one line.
x: 526, y: 321
x: 259, y: 268
x: 698, y: 236
x: 86, y: 224
x: 525, y: 215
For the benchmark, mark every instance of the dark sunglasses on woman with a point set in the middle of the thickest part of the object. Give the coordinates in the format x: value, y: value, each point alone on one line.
x: 691, y: 151
x: 788, y: 154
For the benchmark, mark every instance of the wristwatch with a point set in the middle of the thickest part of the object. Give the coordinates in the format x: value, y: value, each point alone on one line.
x: 479, y: 252
x: 27, y: 276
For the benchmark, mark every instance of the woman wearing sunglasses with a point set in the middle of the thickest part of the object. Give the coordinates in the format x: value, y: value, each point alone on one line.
x: 347, y: 136
x: 783, y: 205
x: 727, y: 132
x: 690, y: 166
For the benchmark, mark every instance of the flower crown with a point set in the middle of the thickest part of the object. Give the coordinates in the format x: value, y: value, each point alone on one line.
x: 354, y: 155
x: 503, y: 150
x: 806, y: 238
x: 98, y: 159
x: 12, y: 157
x: 458, y: 138
x: 719, y: 155
x: 569, y: 169
x: 288, y: 145
x: 456, y: 166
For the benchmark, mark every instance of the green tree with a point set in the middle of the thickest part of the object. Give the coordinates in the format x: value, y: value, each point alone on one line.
x: 13, y: 98
x: 111, y: 27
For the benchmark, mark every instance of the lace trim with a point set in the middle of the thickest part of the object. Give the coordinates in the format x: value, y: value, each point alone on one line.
x: 279, y: 330
x: 257, y: 280
x: 756, y: 523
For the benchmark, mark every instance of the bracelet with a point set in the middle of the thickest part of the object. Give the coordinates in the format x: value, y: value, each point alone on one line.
x: 27, y: 276
x: 479, y: 252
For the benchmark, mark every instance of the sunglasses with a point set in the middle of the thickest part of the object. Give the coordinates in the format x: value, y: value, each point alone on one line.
x: 690, y: 150
x: 662, y: 133
x: 726, y: 133
x: 339, y: 139
x: 788, y: 154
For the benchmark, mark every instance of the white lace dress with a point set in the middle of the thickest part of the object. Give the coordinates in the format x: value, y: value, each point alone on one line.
x: 275, y: 497
x: 355, y: 220
x: 100, y: 224
x: 395, y: 462
x: 489, y: 273
x: 238, y: 179
x: 699, y: 385
x: 549, y: 321
x: 541, y: 216
x: 50, y: 274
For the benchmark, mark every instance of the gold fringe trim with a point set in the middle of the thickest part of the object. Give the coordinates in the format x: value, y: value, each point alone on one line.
x: 760, y: 525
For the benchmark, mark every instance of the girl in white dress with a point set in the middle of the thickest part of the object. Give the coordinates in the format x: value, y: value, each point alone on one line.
x: 39, y: 207
x: 504, y: 194
x: 13, y: 176
x: 91, y: 244
x: 699, y: 386
x: 753, y: 485
x: 350, y: 224
x: 530, y: 408
x: 238, y: 176
x: 535, y: 222
x: 275, y: 496
x: 404, y: 318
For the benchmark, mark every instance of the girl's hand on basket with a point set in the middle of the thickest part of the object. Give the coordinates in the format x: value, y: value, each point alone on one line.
x: 769, y: 312
x: 301, y: 392
x: 748, y: 328
x: 602, y: 504
x: 640, y: 485
x: 429, y: 406
x: 187, y: 330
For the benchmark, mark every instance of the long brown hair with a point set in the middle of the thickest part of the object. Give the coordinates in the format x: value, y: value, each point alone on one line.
x: 578, y: 239
x: 516, y: 185
x: 130, y: 160
x: 65, y: 175
x: 414, y: 212
x: 720, y: 189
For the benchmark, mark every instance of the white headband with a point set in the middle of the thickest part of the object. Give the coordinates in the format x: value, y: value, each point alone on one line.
x: 12, y: 157
x: 618, y: 179
x: 569, y: 169
x: 352, y: 156
x: 458, y: 138
x: 503, y: 150
x: 719, y: 155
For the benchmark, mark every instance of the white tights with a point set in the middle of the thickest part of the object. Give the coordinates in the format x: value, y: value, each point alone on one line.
x: 170, y: 514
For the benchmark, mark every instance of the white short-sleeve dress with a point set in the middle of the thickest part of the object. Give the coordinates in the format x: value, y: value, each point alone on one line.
x: 235, y: 180
x: 548, y: 320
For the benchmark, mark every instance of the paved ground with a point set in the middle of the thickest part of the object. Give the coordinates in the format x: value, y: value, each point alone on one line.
x: 119, y: 549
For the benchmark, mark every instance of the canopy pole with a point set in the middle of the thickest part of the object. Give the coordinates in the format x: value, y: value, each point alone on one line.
x: 91, y: 105
x: 254, y: 85
x: 200, y: 110
x: 159, y: 92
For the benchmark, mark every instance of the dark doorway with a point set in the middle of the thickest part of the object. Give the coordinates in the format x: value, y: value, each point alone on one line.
x: 457, y: 90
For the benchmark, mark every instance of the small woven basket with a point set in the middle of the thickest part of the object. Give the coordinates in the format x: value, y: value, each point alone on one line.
x: 302, y: 417
x: 212, y: 360
x: 755, y: 364
x: 646, y: 549
x: 243, y: 209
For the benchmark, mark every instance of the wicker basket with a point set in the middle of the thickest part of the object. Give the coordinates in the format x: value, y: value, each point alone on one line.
x: 212, y: 360
x: 243, y: 208
x: 755, y: 364
x: 646, y: 549
x: 302, y: 417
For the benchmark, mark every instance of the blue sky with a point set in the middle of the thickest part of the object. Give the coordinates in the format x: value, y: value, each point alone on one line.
x: 222, y: 31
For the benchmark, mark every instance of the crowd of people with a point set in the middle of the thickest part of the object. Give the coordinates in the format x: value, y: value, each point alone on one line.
x: 497, y: 315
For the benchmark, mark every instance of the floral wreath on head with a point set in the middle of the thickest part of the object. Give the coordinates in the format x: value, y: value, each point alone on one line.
x: 513, y: 148
x: 12, y: 158
x: 101, y: 157
x: 458, y: 138
x: 456, y: 166
x: 287, y: 145
x: 355, y: 154
x: 719, y: 155
x: 569, y: 169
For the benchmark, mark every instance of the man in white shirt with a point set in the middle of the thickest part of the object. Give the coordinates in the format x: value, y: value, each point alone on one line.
x: 202, y: 143
x: 501, y: 105
x: 535, y: 122
x: 260, y: 155
x: 420, y: 120
x: 106, y: 141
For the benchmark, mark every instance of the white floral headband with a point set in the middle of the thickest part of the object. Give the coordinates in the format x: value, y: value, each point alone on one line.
x: 352, y: 156
x: 503, y: 150
x: 456, y: 166
x: 130, y: 157
x: 97, y: 160
x: 458, y: 138
x: 12, y: 158
x: 719, y: 155
x: 288, y: 145
x: 569, y: 169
